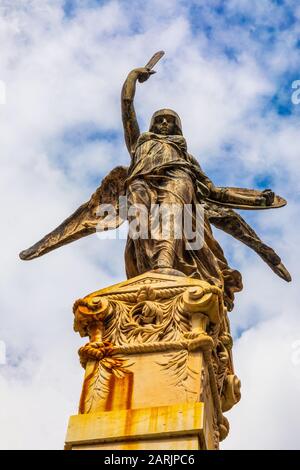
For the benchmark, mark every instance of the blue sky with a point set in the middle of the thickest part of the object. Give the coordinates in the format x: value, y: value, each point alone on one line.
x: 263, y: 32
x: 228, y: 71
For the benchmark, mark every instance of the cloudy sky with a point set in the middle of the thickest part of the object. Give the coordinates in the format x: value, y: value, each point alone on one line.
x: 228, y: 71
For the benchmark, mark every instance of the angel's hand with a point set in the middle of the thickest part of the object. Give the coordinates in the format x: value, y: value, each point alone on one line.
x: 142, y: 74
x: 266, y: 198
x: 269, y: 196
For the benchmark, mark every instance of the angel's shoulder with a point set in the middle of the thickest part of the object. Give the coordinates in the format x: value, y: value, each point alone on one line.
x: 194, y: 161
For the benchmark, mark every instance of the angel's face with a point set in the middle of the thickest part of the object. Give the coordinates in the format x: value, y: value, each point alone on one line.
x: 164, y: 125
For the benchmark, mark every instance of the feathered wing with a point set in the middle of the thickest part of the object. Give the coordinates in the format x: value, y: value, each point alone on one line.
x: 85, y: 220
x: 232, y: 223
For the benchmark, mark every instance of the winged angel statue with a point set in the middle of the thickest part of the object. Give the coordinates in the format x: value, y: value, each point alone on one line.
x: 162, y: 171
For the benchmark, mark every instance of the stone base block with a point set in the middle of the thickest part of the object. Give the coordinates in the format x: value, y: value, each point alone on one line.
x: 176, y: 427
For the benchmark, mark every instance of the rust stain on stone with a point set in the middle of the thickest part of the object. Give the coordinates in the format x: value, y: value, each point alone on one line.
x: 120, y: 392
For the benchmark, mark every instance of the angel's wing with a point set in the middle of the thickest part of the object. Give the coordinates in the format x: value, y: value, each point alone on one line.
x: 231, y: 222
x: 85, y: 220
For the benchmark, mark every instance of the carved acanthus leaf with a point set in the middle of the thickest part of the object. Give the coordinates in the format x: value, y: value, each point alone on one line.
x: 177, y: 367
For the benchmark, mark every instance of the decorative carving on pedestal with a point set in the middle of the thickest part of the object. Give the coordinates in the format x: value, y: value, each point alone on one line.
x: 158, y: 340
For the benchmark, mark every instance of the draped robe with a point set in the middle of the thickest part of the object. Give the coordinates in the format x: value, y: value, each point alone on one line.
x: 163, y: 172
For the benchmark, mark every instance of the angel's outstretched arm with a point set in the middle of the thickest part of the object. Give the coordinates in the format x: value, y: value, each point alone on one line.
x: 228, y: 195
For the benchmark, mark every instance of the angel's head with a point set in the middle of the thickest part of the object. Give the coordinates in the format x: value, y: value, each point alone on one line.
x: 166, y: 122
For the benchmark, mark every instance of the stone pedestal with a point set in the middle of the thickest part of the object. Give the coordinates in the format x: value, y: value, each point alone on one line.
x: 158, y: 367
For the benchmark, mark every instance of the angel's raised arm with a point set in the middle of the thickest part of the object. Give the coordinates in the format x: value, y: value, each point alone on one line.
x: 130, y: 123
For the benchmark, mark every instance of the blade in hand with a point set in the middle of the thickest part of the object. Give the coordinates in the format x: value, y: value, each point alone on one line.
x: 154, y: 59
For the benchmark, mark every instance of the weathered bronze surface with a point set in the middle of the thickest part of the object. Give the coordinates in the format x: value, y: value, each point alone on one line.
x: 162, y: 171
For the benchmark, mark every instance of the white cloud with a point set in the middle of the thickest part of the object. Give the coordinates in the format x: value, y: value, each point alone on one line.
x: 63, y: 76
x: 267, y: 415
